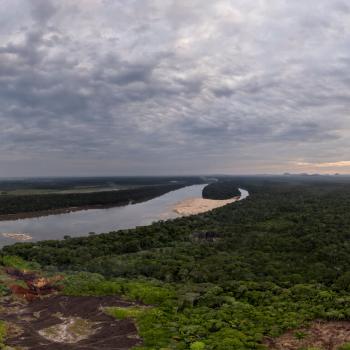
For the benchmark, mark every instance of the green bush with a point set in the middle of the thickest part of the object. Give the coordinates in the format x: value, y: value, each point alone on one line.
x: 198, y: 345
x: 343, y: 282
x: 85, y: 283
x: 148, y: 292
x: 90, y: 284
x: 153, y: 324
x: 122, y: 313
x: 18, y: 263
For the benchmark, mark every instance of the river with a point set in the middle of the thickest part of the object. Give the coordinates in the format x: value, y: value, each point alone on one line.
x: 80, y: 223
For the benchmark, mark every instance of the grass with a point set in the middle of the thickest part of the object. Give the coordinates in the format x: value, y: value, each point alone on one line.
x: 152, y: 324
x: 3, y: 331
x: 18, y: 263
x: 198, y: 345
x: 122, y: 313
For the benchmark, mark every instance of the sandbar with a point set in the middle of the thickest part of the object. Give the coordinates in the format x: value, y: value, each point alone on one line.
x: 193, y: 206
x: 17, y: 236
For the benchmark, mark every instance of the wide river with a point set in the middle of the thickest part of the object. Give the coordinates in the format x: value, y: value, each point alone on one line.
x: 80, y: 223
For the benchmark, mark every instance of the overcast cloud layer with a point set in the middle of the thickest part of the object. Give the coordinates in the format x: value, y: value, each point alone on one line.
x: 114, y: 87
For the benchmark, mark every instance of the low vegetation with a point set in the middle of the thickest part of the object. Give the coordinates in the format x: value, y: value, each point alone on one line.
x: 2, y: 334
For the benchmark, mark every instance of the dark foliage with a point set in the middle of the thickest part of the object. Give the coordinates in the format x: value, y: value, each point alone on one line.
x: 221, y: 190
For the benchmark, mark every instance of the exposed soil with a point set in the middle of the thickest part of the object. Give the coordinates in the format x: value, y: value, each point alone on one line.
x: 320, y: 335
x: 38, y: 318
x: 70, y: 330
x: 68, y: 323
x: 36, y: 285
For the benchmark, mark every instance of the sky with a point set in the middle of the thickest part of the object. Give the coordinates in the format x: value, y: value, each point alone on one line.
x: 157, y: 87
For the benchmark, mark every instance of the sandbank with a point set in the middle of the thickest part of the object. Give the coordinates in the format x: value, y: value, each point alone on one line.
x: 17, y: 236
x: 193, y: 206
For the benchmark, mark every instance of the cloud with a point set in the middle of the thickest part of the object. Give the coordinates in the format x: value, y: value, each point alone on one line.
x: 112, y: 87
x: 42, y: 10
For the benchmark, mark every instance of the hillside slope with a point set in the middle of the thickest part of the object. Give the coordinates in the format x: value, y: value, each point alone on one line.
x: 278, y: 261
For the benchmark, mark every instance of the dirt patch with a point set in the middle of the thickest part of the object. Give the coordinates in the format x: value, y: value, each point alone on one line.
x: 320, y: 335
x: 69, y: 323
x: 36, y: 285
x: 20, y: 274
x: 71, y: 330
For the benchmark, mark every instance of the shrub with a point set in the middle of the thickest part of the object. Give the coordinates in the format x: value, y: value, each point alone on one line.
x: 300, y: 335
x: 148, y: 293
x: 198, y: 345
x: 18, y: 263
x: 122, y: 313
x: 84, y: 283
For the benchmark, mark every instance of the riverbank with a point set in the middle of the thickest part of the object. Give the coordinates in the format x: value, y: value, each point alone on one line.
x: 194, y: 206
x: 28, y: 206
x: 43, y: 213
x: 132, y: 198
x: 80, y: 221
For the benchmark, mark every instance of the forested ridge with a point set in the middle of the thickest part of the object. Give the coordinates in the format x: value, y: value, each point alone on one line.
x: 279, y: 259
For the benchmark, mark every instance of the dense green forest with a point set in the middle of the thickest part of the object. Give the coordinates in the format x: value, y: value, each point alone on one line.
x: 221, y: 190
x: 10, y: 204
x: 280, y: 259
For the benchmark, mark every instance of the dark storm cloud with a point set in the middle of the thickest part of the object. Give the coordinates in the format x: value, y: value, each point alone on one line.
x: 173, y: 86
